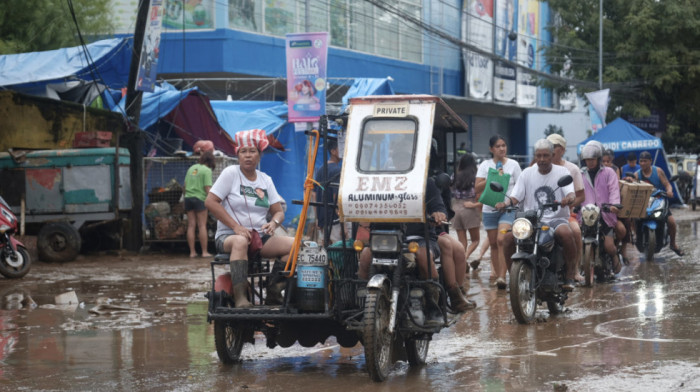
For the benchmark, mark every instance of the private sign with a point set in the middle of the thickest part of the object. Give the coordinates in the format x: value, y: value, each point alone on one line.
x: 391, y: 110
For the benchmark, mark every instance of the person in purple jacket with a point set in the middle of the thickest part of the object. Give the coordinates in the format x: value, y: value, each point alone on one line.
x: 600, y: 184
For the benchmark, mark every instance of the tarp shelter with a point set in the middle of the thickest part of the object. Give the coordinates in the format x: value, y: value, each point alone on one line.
x: 36, y: 72
x: 623, y: 137
x: 185, y: 114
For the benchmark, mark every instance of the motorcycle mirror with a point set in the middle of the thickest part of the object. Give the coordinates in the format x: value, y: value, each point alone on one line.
x: 497, y: 187
x: 564, y: 181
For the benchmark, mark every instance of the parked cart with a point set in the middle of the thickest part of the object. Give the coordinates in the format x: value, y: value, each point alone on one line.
x: 59, y: 192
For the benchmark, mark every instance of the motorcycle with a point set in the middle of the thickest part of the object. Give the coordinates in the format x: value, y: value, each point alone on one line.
x: 538, y: 269
x: 14, y: 258
x: 596, y: 262
x: 652, y: 231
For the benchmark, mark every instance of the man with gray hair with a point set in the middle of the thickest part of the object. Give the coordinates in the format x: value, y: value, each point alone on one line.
x: 536, y: 181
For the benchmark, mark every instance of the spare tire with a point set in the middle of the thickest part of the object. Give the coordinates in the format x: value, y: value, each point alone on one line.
x: 58, y: 242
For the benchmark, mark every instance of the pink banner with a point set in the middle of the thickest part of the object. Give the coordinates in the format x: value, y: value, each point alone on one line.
x: 307, y: 55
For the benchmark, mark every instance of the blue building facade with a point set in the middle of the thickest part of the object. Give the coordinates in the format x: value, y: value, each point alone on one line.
x: 423, y: 45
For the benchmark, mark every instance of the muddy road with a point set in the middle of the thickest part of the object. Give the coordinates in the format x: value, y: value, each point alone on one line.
x: 140, y: 324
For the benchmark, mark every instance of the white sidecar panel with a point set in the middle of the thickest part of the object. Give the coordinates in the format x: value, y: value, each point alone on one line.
x: 386, y: 159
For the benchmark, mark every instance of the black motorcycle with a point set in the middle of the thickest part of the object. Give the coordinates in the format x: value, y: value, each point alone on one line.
x: 538, y: 269
x: 597, y: 264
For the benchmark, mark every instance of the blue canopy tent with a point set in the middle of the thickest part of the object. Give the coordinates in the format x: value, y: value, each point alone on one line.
x: 623, y: 137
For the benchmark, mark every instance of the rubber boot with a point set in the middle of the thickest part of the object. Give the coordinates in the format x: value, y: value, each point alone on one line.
x: 239, y: 278
x: 433, y: 315
x: 457, y: 301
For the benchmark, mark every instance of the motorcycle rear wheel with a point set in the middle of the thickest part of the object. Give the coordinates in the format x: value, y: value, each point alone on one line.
x: 15, y: 269
x: 651, y: 244
x: 376, y: 336
x: 523, y: 299
x: 228, y: 341
x: 588, y: 264
x: 417, y: 351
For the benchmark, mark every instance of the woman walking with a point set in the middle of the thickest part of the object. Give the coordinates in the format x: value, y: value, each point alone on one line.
x: 467, y: 209
x: 198, y: 181
x: 497, y: 223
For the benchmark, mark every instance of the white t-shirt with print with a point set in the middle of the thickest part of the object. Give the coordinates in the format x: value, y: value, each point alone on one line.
x: 259, y: 195
x: 534, y: 188
x: 510, y: 167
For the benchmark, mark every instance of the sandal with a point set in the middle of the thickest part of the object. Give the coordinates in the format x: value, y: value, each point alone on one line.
x: 678, y: 251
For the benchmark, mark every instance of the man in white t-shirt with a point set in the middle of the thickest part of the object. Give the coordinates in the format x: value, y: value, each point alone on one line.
x: 537, y: 185
x: 559, y: 149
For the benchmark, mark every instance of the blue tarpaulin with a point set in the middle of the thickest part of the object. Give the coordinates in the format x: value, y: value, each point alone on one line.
x: 623, y: 137
x: 30, y: 72
x: 368, y: 86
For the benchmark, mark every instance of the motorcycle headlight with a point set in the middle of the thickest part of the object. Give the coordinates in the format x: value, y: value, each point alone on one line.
x: 657, y: 214
x: 522, y: 228
x: 4, y: 228
x: 385, y: 243
x: 589, y: 214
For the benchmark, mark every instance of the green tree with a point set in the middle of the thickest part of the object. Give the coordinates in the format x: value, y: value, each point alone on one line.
x: 551, y: 128
x: 651, y: 60
x: 35, y: 25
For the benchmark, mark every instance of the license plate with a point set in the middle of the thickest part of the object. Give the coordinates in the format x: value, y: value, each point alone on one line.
x: 385, y: 261
x: 312, y: 256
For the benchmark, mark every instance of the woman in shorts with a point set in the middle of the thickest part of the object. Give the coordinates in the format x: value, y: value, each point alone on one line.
x: 497, y: 223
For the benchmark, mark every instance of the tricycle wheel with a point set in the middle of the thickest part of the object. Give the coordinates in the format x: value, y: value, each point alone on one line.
x: 14, y: 266
x: 228, y: 341
x: 417, y: 351
x: 377, y: 338
x: 523, y: 299
x: 58, y: 242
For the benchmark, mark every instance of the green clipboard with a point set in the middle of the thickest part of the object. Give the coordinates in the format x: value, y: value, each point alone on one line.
x: 489, y: 197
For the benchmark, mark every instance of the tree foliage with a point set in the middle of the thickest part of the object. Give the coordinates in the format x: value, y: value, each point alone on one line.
x: 36, y: 25
x: 651, y: 59
x: 551, y: 128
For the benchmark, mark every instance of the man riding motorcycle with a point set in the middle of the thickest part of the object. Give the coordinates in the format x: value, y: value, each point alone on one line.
x: 537, y: 185
x: 601, y: 186
x: 656, y: 177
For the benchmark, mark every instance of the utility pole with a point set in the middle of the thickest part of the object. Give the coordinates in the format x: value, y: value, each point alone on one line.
x: 133, y: 139
x: 600, y: 45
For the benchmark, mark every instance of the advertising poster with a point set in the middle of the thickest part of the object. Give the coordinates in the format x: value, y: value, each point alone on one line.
x: 528, y: 28
x: 504, y: 75
x: 189, y: 14
x: 479, y: 32
x: 148, y: 63
x: 306, y: 76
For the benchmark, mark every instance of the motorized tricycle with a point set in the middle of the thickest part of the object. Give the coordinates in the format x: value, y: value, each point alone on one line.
x: 538, y: 269
x: 324, y: 295
x: 597, y: 264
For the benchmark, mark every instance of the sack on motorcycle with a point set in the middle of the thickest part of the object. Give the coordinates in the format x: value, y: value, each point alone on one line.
x: 634, y: 198
x: 489, y: 197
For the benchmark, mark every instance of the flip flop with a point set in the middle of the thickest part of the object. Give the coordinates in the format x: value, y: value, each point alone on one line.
x: 678, y: 251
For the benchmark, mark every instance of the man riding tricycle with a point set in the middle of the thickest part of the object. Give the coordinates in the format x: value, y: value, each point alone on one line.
x: 395, y: 300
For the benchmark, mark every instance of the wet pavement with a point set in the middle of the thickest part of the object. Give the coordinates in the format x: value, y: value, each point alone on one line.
x: 140, y: 324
